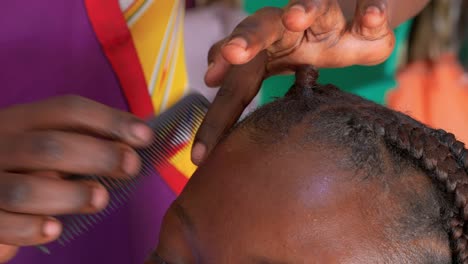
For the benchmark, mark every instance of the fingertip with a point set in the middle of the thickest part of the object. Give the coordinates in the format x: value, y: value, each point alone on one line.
x: 295, y: 18
x: 198, y: 153
x: 131, y: 163
x: 212, y: 75
x: 141, y: 133
x: 51, y: 228
x: 210, y: 81
x: 373, y: 17
x: 371, y: 22
x: 99, y: 196
x: 236, y: 51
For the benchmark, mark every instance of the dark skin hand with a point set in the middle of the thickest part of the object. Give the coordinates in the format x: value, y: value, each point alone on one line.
x: 281, y: 203
x: 323, y: 33
x: 44, y: 142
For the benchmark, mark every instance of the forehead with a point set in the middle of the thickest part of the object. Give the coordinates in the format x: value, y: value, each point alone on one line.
x: 283, y: 200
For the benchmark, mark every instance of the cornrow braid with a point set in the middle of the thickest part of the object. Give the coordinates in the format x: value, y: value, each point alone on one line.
x: 458, y: 182
x: 355, y: 122
x: 442, y: 157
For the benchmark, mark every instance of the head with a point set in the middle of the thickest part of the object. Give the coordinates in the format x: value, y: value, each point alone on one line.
x: 322, y: 176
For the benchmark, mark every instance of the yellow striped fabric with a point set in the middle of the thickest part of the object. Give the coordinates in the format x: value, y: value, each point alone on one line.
x: 157, y: 30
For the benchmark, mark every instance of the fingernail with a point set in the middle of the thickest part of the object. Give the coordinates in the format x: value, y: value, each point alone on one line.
x: 51, y: 228
x: 240, y: 42
x: 298, y: 8
x: 372, y: 9
x: 141, y: 132
x: 198, y: 152
x: 99, y: 197
x: 130, y: 162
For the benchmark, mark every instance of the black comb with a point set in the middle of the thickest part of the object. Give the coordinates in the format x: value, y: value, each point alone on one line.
x: 178, y: 124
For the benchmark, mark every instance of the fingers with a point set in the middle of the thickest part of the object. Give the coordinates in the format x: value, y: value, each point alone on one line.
x: 217, y: 66
x: 26, y: 230
x: 319, y: 16
x: 240, y: 87
x: 371, y: 26
x: 7, y: 252
x: 253, y: 34
x: 77, y: 113
x: 68, y: 153
x: 299, y: 15
x: 32, y: 194
x: 371, y: 21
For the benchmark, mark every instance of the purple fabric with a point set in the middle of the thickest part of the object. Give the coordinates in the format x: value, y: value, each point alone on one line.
x: 48, y: 48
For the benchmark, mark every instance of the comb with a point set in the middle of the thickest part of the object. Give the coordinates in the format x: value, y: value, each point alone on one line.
x: 173, y: 127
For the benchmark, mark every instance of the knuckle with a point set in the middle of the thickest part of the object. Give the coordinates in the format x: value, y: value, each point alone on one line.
x: 47, y: 146
x: 23, y: 236
x: 28, y: 231
x: 81, y: 110
x: 14, y: 194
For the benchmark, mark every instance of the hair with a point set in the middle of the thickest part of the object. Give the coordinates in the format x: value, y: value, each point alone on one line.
x: 385, y: 145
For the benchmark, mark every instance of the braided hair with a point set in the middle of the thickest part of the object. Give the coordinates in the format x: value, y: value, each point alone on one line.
x: 372, y: 133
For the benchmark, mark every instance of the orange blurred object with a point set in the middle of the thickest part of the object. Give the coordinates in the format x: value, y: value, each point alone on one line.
x: 435, y: 93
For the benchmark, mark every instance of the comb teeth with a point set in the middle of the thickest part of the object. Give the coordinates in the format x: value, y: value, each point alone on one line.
x: 175, y: 126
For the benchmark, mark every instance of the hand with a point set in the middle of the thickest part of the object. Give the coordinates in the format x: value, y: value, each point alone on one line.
x: 42, y: 143
x: 311, y: 32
